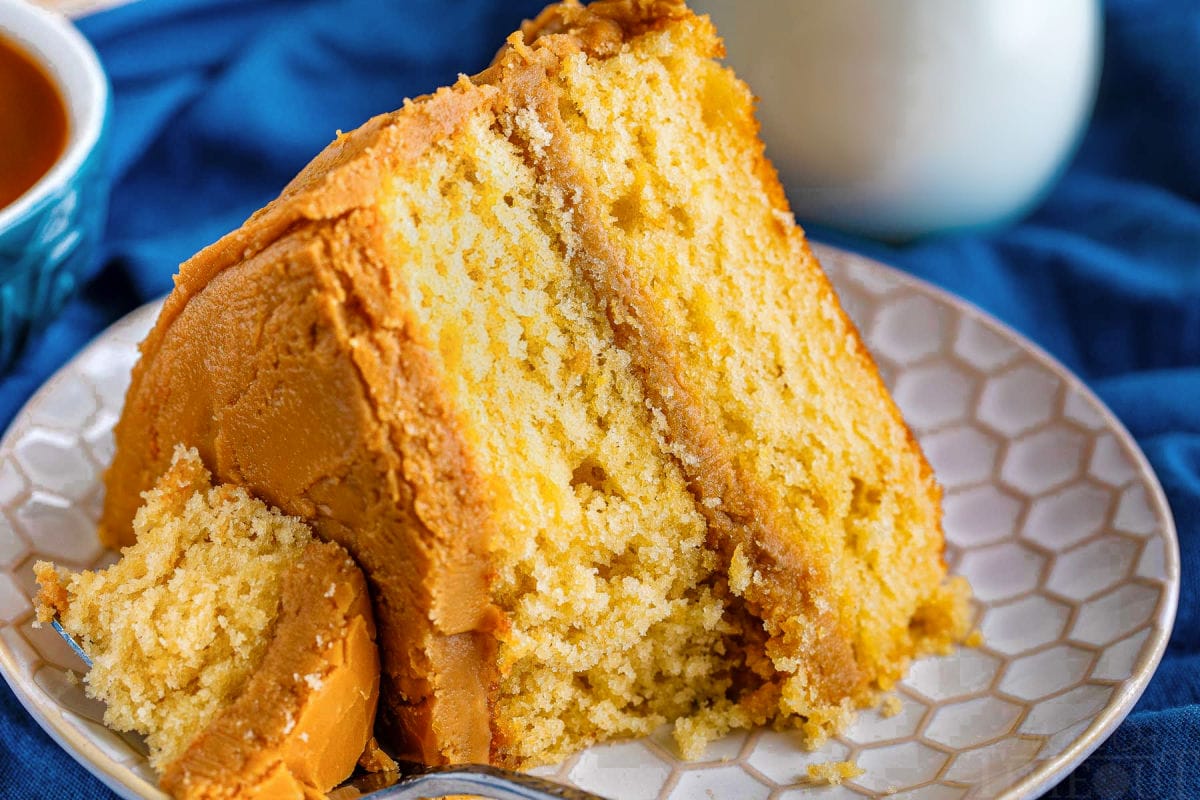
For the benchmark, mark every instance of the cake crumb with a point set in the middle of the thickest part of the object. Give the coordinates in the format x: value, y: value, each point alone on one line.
x: 71, y: 677
x: 832, y: 773
x: 52, y: 598
x: 739, y: 571
x: 784, y: 218
x: 892, y: 706
x: 974, y: 638
x: 374, y: 759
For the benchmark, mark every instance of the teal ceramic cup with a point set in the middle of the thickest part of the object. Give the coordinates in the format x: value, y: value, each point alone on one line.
x: 50, y: 234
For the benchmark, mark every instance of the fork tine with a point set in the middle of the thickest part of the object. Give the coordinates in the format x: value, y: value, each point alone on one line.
x: 69, y: 639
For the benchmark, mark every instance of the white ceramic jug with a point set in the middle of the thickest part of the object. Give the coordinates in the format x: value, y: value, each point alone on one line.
x: 897, y: 118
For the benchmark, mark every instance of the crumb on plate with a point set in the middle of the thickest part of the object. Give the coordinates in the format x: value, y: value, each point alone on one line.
x: 832, y: 773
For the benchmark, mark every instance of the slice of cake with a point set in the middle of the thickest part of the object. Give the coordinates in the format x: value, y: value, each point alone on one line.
x: 546, y: 352
x: 230, y: 637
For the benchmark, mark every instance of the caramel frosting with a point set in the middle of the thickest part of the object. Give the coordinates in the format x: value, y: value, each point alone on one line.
x: 300, y: 724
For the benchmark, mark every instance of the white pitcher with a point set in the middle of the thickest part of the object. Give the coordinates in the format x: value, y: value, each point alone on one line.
x: 897, y: 118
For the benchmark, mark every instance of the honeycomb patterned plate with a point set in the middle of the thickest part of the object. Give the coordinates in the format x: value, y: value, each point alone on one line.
x: 1051, y: 511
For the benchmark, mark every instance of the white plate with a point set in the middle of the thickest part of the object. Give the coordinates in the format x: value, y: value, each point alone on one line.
x: 1051, y: 511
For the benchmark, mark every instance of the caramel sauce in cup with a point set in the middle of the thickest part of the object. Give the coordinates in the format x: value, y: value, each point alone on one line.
x: 33, y: 121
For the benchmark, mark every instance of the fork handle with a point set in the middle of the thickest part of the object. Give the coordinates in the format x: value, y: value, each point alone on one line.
x: 481, y: 781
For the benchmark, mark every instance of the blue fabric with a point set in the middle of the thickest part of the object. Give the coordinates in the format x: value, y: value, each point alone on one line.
x: 219, y: 102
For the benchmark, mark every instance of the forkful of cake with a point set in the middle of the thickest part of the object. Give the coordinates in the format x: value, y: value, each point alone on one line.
x: 243, y: 649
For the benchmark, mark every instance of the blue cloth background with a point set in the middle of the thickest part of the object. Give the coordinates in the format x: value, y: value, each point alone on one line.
x: 219, y: 102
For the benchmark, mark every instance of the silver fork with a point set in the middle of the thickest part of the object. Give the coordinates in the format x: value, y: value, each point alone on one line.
x: 412, y: 781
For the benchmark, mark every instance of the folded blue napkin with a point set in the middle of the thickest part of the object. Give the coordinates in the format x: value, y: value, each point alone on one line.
x: 218, y: 103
